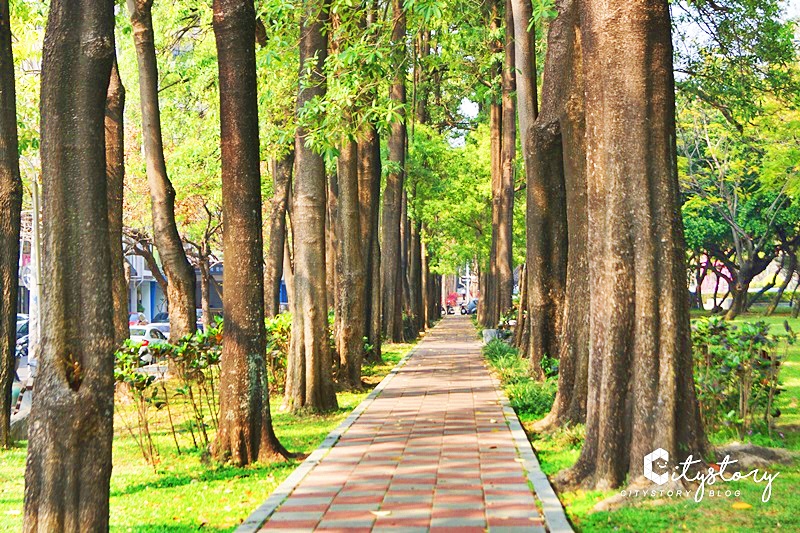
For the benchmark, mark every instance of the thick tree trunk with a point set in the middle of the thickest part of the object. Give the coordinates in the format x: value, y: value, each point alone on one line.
x: 281, y: 180
x: 505, y: 236
x: 71, y: 423
x: 547, y: 245
x: 115, y: 170
x: 245, y: 424
x: 546, y: 209
x: 309, y: 384
x: 179, y: 273
x: 369, y: 192
x: 641, y: 390
x: 391, y: 256
x: 10, y: 206
x: 562, y: 102
x: 351, y: 288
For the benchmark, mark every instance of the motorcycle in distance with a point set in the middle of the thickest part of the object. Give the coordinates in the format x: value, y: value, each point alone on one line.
x: 21, y: 350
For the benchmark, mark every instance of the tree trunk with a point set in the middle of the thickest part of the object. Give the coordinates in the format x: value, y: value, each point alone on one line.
x: 115, y: 170
x: 281, y: 180
x: 351, y: 275
x: 490, y: 296
x: 179, y: 273
x: 790, y: 270
x: 245, y: 424
x: 10, y: 206
x: 562, y: 102
x: 369, y: 191
x: 546, y: 209
x: 641, y: 390
x: 521, y: 330
x: 391, y: 260
x: 71, y: 423
x: 205, y: 290
x: 309, y: 384
x: 415, y: 276
x: 505, y: 236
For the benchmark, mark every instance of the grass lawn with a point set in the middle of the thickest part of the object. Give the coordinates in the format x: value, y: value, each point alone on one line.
x: 185, y: 492
x: 561, y: 449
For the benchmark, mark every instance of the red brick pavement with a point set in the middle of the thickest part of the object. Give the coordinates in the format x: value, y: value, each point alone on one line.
x: 433, y: 452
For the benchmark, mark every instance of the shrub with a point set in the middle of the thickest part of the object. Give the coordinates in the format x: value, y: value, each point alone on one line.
x: 532, y: 397
x: 279, y: 336
x: 736, y: 372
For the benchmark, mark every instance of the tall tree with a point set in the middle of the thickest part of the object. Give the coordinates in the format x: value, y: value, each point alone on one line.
x: 245, y: 423
x: 641, y: 390
x: 392, y: 273
x: 562, y: 115
x: 179, y: 273
x: 309, y: 384
x: 273, y: 273
x: 10, y: 206
x: 71, y: 426
x: 351, y: 275
x: 546, y: 205
x: 115, y: 170
x: 369, y: 191
x: 505, y: 237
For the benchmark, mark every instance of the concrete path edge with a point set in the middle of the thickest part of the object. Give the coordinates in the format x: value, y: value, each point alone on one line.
x: 552, y: 510
x: 259, y: 517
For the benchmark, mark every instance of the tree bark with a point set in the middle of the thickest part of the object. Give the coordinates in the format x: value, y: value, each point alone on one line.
x: 178, y: 271
x: 391, y: 259
x: 351, y: 275
x: 369, y: 191
x: 563, y: 103
x: 641, y: 390
x: 505, y: 236
x: 71, y: 423
x: 245, y: 424
x: 309, y: 384
x: 115, y: 170
x: 281, y: 180
x: 10, y: 206
x: 205, y: 290
x: 490, y: 296
x: 546, y: 203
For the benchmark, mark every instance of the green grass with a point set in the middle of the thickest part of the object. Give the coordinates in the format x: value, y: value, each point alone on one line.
x: 561, y: 449
x: 185, y: 492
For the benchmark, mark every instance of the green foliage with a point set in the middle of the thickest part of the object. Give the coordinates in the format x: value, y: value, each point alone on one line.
x: 532, y: 397
x: 279, y: 336
x: 527, y: 396
x: 737, y: 372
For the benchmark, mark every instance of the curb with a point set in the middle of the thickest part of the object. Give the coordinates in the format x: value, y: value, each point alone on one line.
x: 262, y: 513
x: 552, y: 510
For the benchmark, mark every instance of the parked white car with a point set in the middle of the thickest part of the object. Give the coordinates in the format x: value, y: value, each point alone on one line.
x: 147, y: 335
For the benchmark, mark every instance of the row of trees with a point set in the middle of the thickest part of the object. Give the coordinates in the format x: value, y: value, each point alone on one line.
x: 606, y: 270
x: 364, y: 227
x: 350, y: 228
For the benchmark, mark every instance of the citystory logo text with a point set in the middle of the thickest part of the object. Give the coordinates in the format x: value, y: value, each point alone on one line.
x: 659, y: 459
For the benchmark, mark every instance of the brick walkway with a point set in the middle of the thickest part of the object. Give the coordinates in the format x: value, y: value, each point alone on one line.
x: 434, y: 451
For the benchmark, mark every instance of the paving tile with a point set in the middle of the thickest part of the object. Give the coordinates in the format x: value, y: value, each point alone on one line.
x: 432, y: 452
